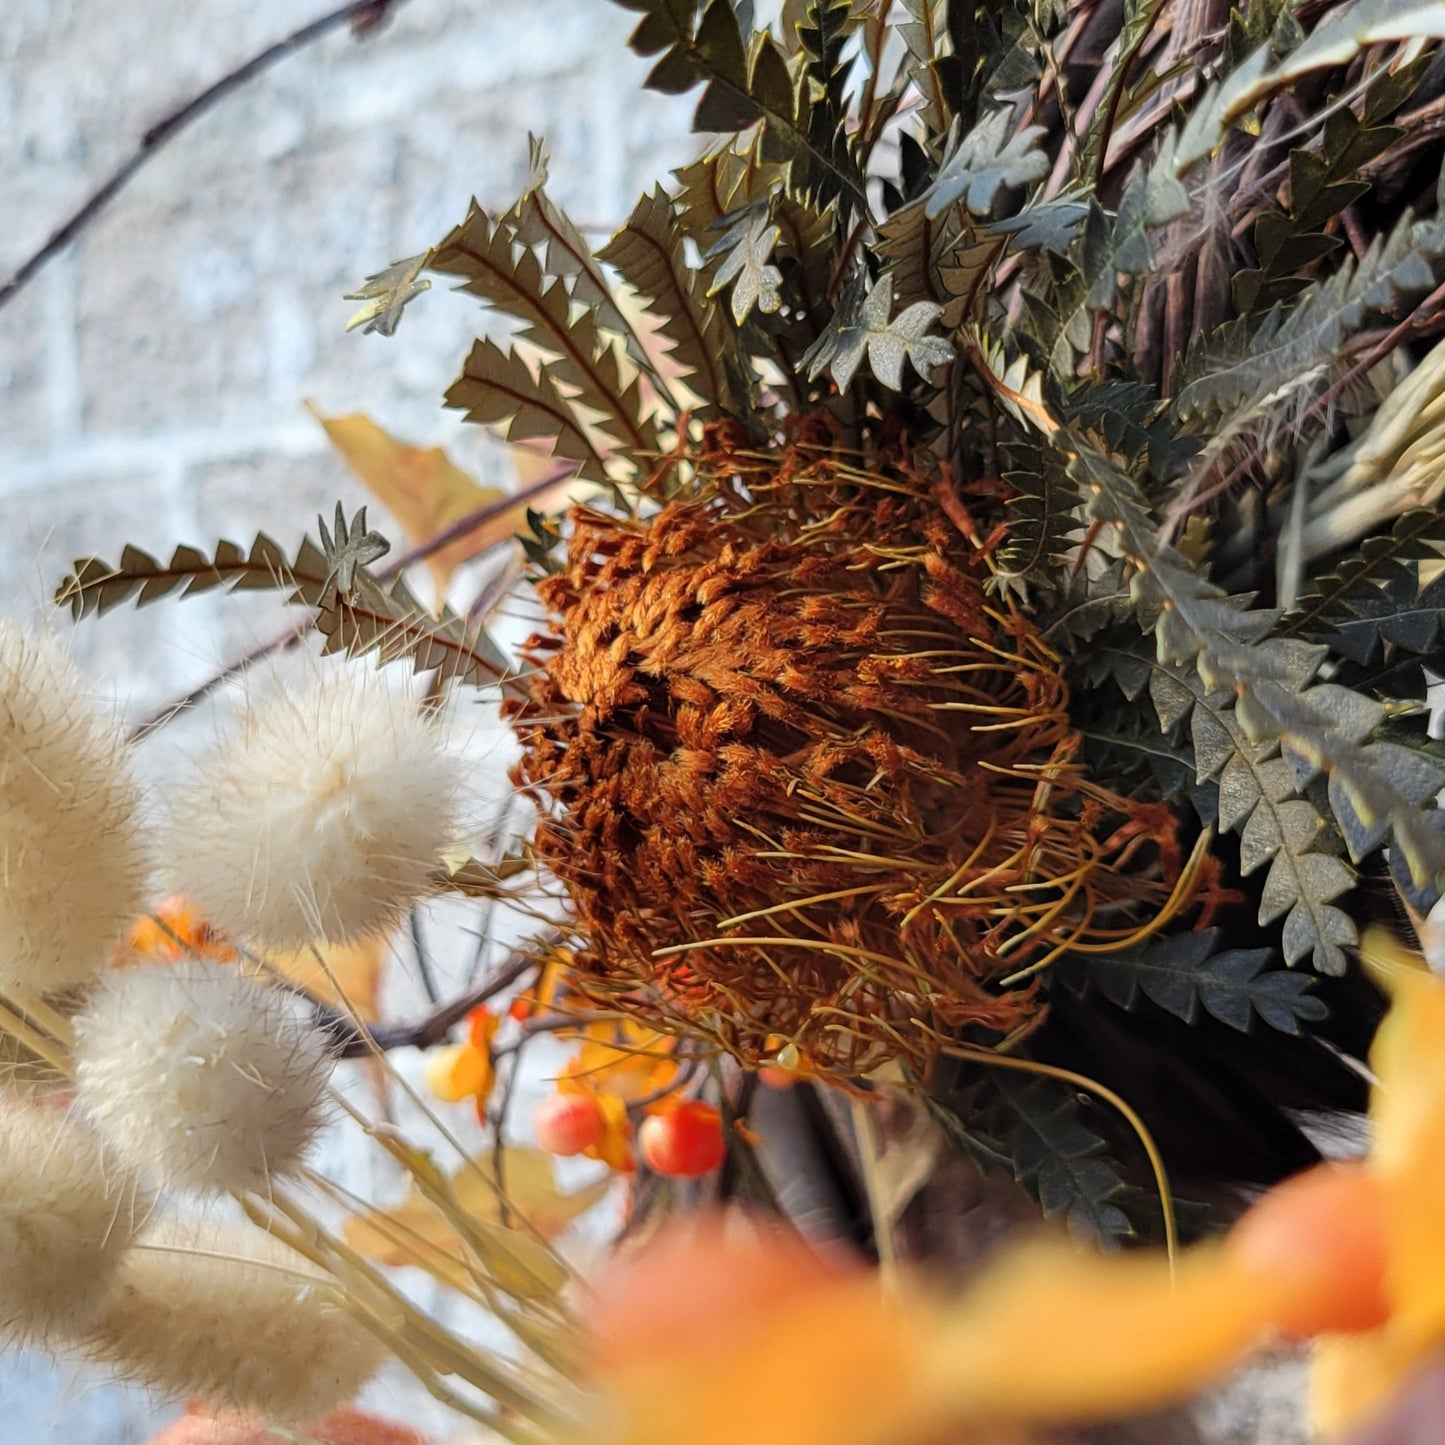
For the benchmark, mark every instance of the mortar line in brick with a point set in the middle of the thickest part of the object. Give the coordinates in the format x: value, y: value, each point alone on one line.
x: 97, y: 458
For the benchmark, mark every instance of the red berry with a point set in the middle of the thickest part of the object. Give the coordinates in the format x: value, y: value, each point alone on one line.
x: 686, y: 1142
x: 569, y: 1123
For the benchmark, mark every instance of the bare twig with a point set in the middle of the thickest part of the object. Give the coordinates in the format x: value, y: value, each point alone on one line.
x: 351, y: 1039
x: 363, y: 16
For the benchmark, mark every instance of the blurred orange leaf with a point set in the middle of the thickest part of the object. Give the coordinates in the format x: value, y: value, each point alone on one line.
x: 199, y: 1426
x: 1053, y: 1335
x: 712, y: 1334
x: 709, y: 1338
x: 1355, y: 1375
x: 423, y: 489
x: 419, y: 1232
x: 712, y: 1337
x: 174, y: 931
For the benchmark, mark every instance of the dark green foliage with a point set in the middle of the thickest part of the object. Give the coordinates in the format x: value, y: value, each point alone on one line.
x: 1323, y: 181
x: 1044, y: 517
x: 95, y: 587
x: 648, y: 254
x: 1057, y: 1157
x: 1184, y: 973
x: 1376, y: 608
x: 692, y: 44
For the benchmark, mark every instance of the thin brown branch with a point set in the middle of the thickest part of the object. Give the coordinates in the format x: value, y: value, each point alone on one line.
x: 353, y: 1040
x: 1417, y: 321
x: 363, y: 16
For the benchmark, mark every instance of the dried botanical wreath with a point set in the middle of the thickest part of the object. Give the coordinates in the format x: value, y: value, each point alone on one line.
x: 991, y: 660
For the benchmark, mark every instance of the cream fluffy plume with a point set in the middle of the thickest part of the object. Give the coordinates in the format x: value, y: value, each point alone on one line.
x: 230, y: 1314
x: 67, y: 1213
x: 321, y: 817
x: 73, y: 858
x: 199, y: 1076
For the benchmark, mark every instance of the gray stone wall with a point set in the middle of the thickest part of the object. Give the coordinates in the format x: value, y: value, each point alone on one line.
x: 152, y: 378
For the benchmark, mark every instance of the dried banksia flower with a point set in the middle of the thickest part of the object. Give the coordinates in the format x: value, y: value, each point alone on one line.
x: 71, y: 843
x: 323, y: 816
x: 227, y: 1313
x: 804, y: 778
x: 200, y: 1076
x: 67, y: 1213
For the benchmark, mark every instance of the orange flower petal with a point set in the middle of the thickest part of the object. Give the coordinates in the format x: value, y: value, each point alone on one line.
x: 458, y: 1071
x: 1050, y: 1335
x: 1318, y: 1246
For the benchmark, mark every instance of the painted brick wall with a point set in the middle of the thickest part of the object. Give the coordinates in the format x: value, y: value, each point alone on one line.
x: 152, y: 379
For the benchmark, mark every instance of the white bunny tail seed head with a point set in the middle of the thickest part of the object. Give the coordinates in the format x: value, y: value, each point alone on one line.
x: 321, y: 818
x: 200, y: 1076
x: 227, y: 1313
x: 68, y: 1211
x: 73, y: 857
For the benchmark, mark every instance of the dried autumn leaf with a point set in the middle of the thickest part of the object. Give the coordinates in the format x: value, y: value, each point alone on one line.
x: 422, y: 488
x: 418, y: 1232
x: 345, y: 975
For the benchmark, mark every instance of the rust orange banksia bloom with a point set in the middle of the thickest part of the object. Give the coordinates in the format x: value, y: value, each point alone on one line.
x: 804, y: 776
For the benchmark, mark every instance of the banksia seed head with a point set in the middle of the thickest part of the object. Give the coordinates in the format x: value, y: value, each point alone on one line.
x: 806, y: 779
x: 200, y: 1076
x: 71, y: 843
x: 321, y: 817
x: 67, y: 1212
x: 227, y: 1313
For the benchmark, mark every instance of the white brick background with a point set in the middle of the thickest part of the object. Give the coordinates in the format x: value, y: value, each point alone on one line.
x: 152, y: 378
